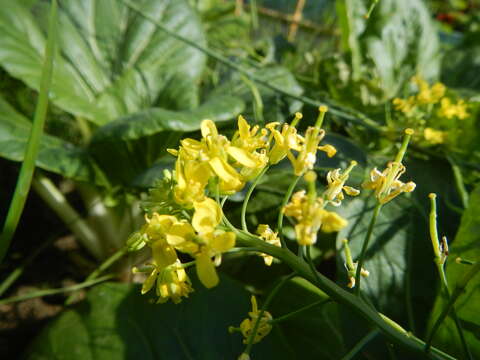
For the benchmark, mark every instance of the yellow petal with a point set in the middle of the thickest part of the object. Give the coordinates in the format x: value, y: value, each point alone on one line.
x: 206, y: 271
x: 225, y: 172
x: 243, y: 157
x: 243, y: 127
x: 223, y: 242
x: 207, y: 216
x: 208, y: 128
x: 163, y: 253
x: 149, y: 282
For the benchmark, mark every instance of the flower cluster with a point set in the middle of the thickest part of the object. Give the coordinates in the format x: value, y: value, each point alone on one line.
x: 432, y: 110
x: 248, y: 324
x: 236, y: 161
x: 200, y: 238
x: 182, y: 215
x: 309, y: 210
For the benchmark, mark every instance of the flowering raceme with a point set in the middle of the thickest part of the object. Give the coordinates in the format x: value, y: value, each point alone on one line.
x: 190, y: 221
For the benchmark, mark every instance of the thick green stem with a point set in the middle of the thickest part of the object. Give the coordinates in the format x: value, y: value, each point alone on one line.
x: 368, y: 236
x: 341, y: 296
x: 280, y: 213
x: 247, y: 198
x: 58, y: 203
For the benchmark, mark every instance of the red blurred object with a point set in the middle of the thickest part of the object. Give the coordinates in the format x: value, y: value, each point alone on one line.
x: 446, y: 18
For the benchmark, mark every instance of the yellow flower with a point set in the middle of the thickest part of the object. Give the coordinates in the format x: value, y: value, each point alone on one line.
x: 307, y: 156
x: 264, y: 326
x: 311, y: 216
x: 405, y: 106
x: 427, y: 94
x: 387, y: 184
x: 249, y: 139
x: 336, y: 185
x: 434, y: 136
x: 332, y: 222
x: 450, y: 110
x: 202, y: 240
x: 285, y: 141
x: 271, y: 238
x: 191, y: 179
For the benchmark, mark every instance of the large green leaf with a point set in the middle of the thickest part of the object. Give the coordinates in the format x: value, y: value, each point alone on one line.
x: 112, y: 61
x: 466, y: 245
x: 399, y: 38
x: 155, y: 120
x: 116, y: 322
x: 461, y: 66
x: 54, y: 155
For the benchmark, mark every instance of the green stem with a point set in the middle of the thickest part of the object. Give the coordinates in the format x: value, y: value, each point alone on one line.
x: 15, y: 274
x: 359, y: 346
x: 352, y: 115
x: 247, y: 198
x: 280, y: 213
x: 59, y: 204
x: 104, y: 266
x: 341, y: 296
x: 311, y: 264
x: 368, y: 236
x: 24, y: 181
x: 459, y: 289
x: 40, y: 293
x: 296, y: 312
x: 459, y: 184
x: 265, y: 305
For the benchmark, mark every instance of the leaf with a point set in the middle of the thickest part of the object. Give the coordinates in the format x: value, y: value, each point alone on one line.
x: 399, y: 38
x: 274, y: 104
x: 54, y: 155
x: 385, y: 256
x: 154, y: 120
x: 403, y: 279
x: 315, y: 333
x: 461, y: 65
x: 112, y: 61
x: 467, y: 246
x: 116, y: 322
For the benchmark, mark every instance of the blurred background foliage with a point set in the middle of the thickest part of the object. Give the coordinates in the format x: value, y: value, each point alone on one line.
x: 125, y: 89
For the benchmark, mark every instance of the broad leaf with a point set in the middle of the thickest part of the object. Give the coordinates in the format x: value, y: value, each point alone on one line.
x: 112, y: 61
x: 461, y: 66
x: 466, y: 245
x: 155, y: 120
x: 399, y: 38
x: 116, y: 322
x: 54, y: 155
